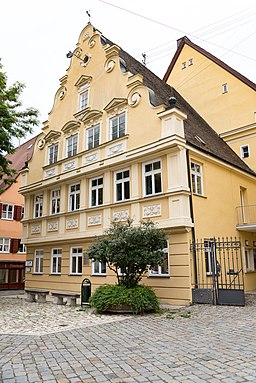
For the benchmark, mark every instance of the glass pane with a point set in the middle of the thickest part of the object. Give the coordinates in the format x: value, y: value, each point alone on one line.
x: 79, y: 265
x: 100, y: 181
x: 3, y: 276
x: 126, y: 174
x: 54, y: 265
x: 94, y: 182
x: 73, y: 269
x: 119, y: 176
x: 100, y: 196
x: 13, y: 276
x: 77, y: 201
x: 157, y: 165
x: 199, y: 187
x: 164, y: 266
x: 148, y: 185
x: 96, y: 266
x: 158, y: 186
x: 59, y: 265
x: 148, y: 167
x: 93, y: 200
x: 103, y: 268
x: 119, y: 192
x: 127, y: 190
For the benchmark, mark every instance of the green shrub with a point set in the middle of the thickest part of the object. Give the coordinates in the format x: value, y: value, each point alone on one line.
x: 141, y: 298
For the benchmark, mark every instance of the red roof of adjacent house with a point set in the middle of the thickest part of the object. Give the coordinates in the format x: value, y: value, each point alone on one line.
x: 185, y: 40
x: 20, y: 157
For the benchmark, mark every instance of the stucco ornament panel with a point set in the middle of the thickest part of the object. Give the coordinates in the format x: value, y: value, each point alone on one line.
x: 35, y: 229
x: 121, y: 215
x: 50, y: 172
x: 69, y: 166
x: 119, y: 148
x: 72, y: 223
x: 152, y: 210
x: 109, y: 65
x: 94, y: 220
x: 53, y: 226
x: 91, y: 158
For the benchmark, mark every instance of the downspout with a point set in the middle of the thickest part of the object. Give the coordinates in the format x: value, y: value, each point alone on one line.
x: 192, y: 218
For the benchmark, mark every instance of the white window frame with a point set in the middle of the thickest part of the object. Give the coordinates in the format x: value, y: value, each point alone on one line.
x: 56, y: 254
x: 76, y: 255
x: 38, y: 261
x: 121, y: 181
x: 74, y: 195
x: 152, y: 174
x: 73, y: 144
x: 158, y: 272
x: 244, y: 149
x: 225, y: 88
x: 55, y: 202
x: 53, y: 152
x: 9, y: 211
x: 101, y: 267
x: 95, y: 143
x: 250, y: 259
x: 83, y: 91
x: 96, y: 188
x: 5, y: 244
x: 38, y: 205
x: 119, y: 131
x: 23, y: 248
x: 197, y: 176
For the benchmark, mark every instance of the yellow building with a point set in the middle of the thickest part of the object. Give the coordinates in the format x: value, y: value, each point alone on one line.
x: 121, y: 143
x: 222, y: 96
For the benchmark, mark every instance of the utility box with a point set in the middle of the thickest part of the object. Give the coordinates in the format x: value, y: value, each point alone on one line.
x: 85, y: 291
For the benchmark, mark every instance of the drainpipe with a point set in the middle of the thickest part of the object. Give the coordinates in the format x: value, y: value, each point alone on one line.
x: 192, y: 218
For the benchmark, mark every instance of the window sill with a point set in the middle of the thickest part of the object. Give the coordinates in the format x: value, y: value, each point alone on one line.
x: 98, y: 275
x: 159, y: 276
x: 37, y: 273
x: 55, y: 274
x: 75, y: 275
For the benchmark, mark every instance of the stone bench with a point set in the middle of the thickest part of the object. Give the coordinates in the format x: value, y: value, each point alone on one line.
x: 36, y: 295
x: 71, y: 297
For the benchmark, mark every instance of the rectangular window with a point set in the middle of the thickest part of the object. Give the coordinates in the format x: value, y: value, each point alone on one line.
x: 197, y: 178
x: 93, y: 137
x: 3, y: 275
x: 225, y: 88
x: 83, y: 100
x: 152, y: 178
x: 99, y: 267
x: 7, y: 211
x: 21, y: 247
x: 250, y: 259
x: 164, y: 268
x: 38, y: 205
x: 117, y: 126
x: 71, y: 145
x: 208, y: 257
x: 76, y: 260
x: 96, y: 191
x: 38, y: 261
x: 5, y: 245
x: 244, y: 150
x: 122, y: 185
x: 55, y: 201
x: 74, y: 197
x: 53, y: 153
x: 56, y: 261
x: 183, y: 65
x: 190, y: 62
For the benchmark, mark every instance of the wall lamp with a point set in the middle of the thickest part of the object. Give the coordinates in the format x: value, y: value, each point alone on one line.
x: 71, y: 54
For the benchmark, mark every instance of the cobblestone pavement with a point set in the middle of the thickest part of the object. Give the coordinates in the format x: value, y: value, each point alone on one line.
x: 201, y: 343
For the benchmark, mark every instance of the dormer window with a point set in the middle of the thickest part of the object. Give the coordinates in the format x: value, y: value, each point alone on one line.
x: 183, y: 65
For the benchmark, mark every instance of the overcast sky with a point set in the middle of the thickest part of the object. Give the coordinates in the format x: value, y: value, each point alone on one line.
x: 36, y: 35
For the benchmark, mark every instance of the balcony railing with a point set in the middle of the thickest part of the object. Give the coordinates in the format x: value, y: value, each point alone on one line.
x: 246, y: 215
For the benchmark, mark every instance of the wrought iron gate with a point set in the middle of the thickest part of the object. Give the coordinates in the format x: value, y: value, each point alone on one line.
x: 218, y: 272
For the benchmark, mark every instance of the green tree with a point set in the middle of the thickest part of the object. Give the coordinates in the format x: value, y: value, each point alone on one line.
x: 14, y: 123
x: 129, y: 250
